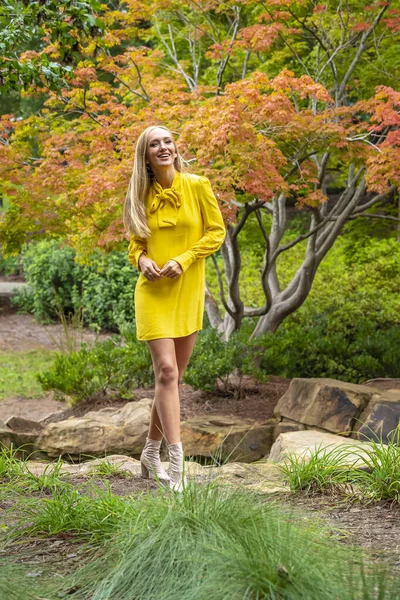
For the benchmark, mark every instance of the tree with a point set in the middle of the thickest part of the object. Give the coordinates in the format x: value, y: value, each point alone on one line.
x: 266, y: 135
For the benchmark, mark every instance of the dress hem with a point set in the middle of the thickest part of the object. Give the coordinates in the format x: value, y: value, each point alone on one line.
x: 165, y: 336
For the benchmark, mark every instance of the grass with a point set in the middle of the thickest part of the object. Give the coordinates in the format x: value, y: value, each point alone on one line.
x: 211, y: 542
x: 373, y: 475
x: 11, y: 467
x: 224, y: 544
x: 105, y: 468
x: 380, y: 478
x: 18, y: 372
x: 322, y: 469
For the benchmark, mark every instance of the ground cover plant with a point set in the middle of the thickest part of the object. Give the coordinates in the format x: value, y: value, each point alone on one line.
x: 213, y: 541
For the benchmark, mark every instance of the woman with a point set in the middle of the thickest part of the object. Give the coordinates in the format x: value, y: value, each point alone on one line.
x: 175, y: 223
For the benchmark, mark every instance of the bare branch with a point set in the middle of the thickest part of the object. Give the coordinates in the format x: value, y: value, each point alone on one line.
x: 221, y: 288
x: 173, y: 55
x: 361, y: 48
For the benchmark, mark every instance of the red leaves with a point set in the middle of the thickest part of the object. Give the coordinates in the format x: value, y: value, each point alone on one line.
x: 362, y: 26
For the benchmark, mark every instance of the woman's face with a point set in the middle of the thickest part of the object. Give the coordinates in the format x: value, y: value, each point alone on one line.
x: 160, y: 149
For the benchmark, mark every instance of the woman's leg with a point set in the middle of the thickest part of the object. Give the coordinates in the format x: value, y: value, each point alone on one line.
x: 166, y: 409
x: 183, y: 350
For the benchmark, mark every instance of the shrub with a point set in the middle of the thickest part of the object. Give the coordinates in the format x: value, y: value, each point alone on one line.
x: 50, y: 271
x: 214, y: 361
x: 110, y: 366
x: 356, y: 355
x: 103, y: 288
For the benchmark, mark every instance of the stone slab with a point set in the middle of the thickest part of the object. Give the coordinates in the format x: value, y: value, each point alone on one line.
x: 303, y: 443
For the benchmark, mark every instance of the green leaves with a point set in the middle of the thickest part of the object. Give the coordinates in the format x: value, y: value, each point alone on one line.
x: 70, y: 25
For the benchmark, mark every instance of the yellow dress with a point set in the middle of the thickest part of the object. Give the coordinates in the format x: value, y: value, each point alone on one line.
x: 186, y: 225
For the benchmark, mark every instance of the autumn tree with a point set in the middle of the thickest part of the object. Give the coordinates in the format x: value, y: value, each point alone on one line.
x: 275, y: 101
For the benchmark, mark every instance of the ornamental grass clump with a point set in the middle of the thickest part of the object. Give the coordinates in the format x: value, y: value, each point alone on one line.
x: 372, y: 474
x: 380, y: 477
x: 324, y: 469
x: 90, y: 513
x: 224, y: 544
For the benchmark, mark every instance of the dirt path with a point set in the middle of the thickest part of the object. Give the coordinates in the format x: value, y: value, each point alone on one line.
x: 22, y: 332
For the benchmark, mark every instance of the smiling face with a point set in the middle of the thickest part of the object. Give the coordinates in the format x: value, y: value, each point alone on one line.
x: 161, y: 151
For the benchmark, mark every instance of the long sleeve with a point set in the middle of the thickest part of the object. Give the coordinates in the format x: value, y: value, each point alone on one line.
x: 136, y: 247
x: 214, y: 228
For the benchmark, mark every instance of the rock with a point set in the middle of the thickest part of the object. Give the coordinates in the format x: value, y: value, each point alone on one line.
x: 99, y: 432
x: 226, y: 438
x: 22, y: 441
x: 25, y: 425
x: 325, y: 403
x: 303, y: 443
x: 287, y: 425
x: 5, y: 436
x: 380, y: 418
x: 261, y: 476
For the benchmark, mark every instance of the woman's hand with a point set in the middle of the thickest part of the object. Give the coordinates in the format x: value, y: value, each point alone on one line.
x: 149, y: 268
x: 171, y: 269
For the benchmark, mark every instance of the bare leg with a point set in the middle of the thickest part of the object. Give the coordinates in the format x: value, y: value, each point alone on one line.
x: 183, y: 351
x: 166, y: 387
x: 162, y: 362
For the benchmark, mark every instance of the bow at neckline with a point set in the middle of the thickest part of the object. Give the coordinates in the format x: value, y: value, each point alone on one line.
x: 167, y: 203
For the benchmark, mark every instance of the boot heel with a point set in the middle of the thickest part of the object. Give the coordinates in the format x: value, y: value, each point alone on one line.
x: 144, y: 471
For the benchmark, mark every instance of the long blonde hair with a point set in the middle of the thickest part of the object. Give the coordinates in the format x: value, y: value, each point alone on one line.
x: 134, y: 214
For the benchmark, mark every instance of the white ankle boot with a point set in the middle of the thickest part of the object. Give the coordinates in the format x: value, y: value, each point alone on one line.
x: 150, y: 462
x: 176, y: 467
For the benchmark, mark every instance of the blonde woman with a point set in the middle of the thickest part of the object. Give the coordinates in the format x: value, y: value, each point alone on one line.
x: 174, y: 222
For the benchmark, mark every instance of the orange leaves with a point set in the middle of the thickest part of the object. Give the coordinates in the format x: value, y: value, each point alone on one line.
x: 304, y: 86
x: 258, y: 38
x: 83, y: 76
x: 383, y: 169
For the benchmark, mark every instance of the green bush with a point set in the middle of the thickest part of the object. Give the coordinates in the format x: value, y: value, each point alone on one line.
x: 360, y: 354
x: 112, y: 366
x: 213, y: 361
x: 51, y: 273
x: 103, y: 288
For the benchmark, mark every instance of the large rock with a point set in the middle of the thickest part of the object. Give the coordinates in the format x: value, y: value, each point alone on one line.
x: 99, y: 432
x: 304, y: 443
x: 226, y: 438
x: 329, y: 404
x: 24, y: 442
x: 262, y: 476
x: 380, y: 418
